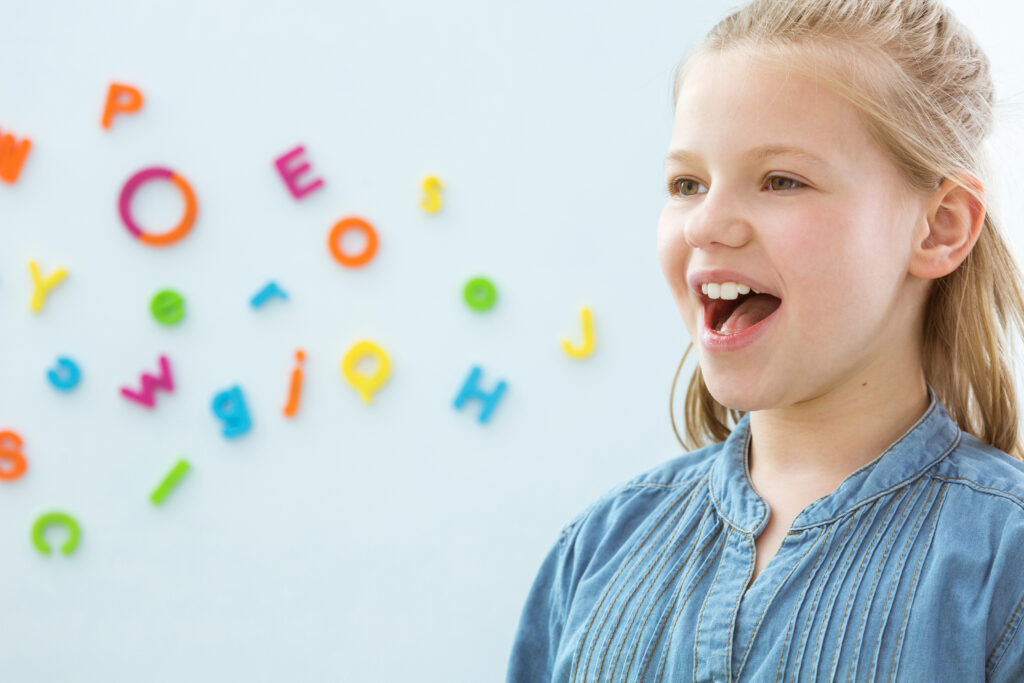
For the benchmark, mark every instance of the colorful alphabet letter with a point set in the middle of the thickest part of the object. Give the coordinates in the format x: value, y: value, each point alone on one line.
x: 10, y: 450
x: 55, y: 518
x: 480, y: 293
x: 229, y: 406
x: 146, y: 395
x: 295, y: 389
x: 270, y: 289
x: 121, y: 99
x: 343, y: 226
x: 365, y: 384
x: 470, y: 389
x: 170, y: 481
x: 12, y: 155
x: 41, y: 285
x: 168, y: 307
x: 66, y: 375
x: 588, y: 337
x: 291, y: 173
x: 175, y: 233
x: 431, y: 200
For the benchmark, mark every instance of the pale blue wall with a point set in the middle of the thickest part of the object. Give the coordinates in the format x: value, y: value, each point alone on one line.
x: 385, y: 542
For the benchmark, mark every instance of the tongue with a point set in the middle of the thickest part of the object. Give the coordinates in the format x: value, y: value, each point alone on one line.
x: 750, y: 312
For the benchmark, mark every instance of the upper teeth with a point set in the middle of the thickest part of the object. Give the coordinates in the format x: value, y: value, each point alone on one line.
x: 726, y: 290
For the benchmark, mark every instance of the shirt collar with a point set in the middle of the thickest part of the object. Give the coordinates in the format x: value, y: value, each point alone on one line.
x: 929, y: 439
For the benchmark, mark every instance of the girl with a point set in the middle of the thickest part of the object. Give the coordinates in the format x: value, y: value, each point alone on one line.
x: 827, y: 243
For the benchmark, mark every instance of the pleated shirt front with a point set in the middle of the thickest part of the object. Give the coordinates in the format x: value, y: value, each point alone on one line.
x: 911, y: 570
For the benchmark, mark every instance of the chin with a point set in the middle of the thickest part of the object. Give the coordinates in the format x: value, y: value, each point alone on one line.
x: 733, y: 390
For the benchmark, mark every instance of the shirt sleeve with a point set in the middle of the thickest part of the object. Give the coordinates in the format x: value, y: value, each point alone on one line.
x: 540, y: 624
x: 1007, y: 658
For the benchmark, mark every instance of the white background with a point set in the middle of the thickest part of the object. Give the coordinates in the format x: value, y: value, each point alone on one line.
x: 394, y: 541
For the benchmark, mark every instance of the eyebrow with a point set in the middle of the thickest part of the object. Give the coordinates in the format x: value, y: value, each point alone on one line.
x: 756, y: 154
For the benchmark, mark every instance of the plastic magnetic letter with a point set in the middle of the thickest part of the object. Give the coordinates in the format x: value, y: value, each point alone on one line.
x: 290, y: 173
x: 480, y: 293
x: 183, y: 227
x: 12, y: 155
x: 295, y: 389
x: 270, y: 289
x: 352, y: 223
x: 10, y: 450
x: 55, y: 518
x: 147, y: 394
x: 365, y: 384
x: 170, y: 481
x: 168, y: 307
x: 471, y: 389
x: 588, y: 337
x: 41, y: 285
x: 66, y: 375
x: 121, y: 99
x: 431, y: 200
x: 229, y: 406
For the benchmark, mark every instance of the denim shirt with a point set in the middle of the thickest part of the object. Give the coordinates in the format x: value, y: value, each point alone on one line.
x: 912, y: 569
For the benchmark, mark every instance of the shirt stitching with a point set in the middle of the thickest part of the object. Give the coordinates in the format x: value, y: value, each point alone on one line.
x: 941, y: 497
x: 906, y: 482
x: 878, y: 569
x: 890, y: 595
x: 932, y: 406
x: 563, y: 544
x: 750, y: 570
x: 857, y: 578
x: 821, y: 542
x: 982, y: 489
x: 1013, y: 618
x: 723, y: 515
x: 700, y: 616
x: 680, y: 507
x: 679, y: 611
x: 768, y: 602
x: 604, y: 595
x: 705, y: 517
x: 833, y: 594
x: 813, y: 609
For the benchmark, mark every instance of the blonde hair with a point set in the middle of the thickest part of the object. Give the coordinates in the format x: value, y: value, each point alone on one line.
x: 922, y: 87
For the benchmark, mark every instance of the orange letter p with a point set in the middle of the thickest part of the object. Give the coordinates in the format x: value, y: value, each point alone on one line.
x: 121, y: 99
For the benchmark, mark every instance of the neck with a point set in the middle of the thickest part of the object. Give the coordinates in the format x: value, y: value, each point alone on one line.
x: 808, y: 448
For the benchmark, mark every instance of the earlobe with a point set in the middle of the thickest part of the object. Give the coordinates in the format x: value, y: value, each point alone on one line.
x: 952, y: 225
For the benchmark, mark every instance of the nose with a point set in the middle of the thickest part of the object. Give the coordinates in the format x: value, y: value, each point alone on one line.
x: 718, y: 219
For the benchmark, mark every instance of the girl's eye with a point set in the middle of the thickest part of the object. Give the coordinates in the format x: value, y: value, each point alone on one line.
x: 679, y: 185
x: 674, y: 186
x: 782, y: 177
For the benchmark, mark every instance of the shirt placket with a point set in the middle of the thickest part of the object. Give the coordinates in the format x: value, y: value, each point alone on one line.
x: 715, y: 625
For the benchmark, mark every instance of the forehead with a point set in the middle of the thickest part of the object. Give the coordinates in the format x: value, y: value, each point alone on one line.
x: 729, y: 104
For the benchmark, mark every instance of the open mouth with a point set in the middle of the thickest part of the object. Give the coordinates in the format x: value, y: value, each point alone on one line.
x: 732, y: 316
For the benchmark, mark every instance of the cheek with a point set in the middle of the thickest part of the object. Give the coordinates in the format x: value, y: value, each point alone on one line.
x: 673, y: 252
x: 830, y: 276
x: 806, y: 251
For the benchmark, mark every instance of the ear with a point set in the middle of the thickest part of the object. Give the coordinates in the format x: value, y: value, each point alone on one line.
x: 949, y: 228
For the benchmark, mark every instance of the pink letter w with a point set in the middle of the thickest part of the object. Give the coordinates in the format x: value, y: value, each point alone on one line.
x: 150, y: 384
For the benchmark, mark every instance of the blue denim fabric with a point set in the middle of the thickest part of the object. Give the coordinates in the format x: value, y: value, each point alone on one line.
x: 911, y: 570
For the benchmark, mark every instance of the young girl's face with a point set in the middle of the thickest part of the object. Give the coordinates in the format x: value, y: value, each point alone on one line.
x: 831, y: 237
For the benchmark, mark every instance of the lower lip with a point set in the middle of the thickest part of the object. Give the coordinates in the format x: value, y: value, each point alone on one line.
x: 713, y: 341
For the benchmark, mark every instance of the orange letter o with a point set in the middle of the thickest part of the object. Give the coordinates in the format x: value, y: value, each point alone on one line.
x: 352, y: 223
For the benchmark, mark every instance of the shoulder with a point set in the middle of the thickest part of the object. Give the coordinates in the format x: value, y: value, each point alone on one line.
x: 632, y: 500
x: 985, y: 474
x: 980, y: 545
x: 981, y: 496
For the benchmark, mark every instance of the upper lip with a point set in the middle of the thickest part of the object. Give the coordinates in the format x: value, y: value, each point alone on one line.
x: 699, y: 277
